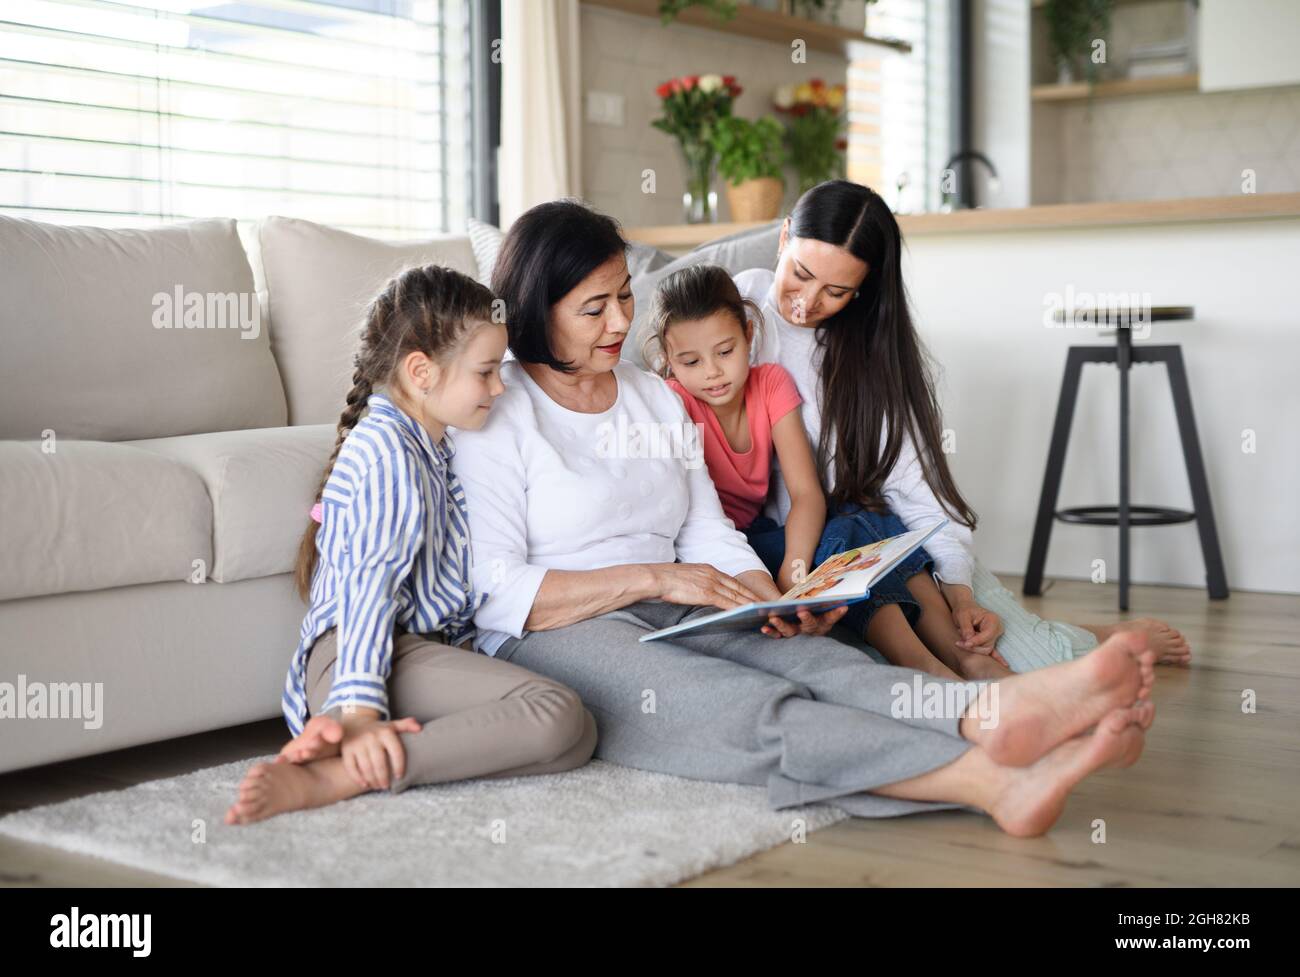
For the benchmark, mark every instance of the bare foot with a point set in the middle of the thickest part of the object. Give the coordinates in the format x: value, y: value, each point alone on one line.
x: 1170, y: 646
x: 269, y: 789
x: 1142, y: 715
x: 322, y: 737
x: 1039, y: 710
x: 1033, y: 797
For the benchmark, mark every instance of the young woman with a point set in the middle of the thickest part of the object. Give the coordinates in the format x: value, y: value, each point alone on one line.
x: 839, y: 321
x: 387, y: 573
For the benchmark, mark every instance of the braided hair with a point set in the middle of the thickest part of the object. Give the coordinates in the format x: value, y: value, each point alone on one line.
x: 431, y: 310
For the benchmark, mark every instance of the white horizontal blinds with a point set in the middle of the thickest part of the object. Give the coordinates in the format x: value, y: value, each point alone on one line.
x: 914, y: 100
x: 353, y: 113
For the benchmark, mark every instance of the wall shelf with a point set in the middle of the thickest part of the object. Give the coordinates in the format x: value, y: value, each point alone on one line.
x: 1109, y: 89
x: 1121, y: 213
x: 763, y: 25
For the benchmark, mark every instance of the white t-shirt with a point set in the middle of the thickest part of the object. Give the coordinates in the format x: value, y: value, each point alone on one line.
x: 551, y: 488
x: 905, y: 490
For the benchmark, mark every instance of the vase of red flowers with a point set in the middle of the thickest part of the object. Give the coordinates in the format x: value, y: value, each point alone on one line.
x: 815, y: 113
x: 692, y: 106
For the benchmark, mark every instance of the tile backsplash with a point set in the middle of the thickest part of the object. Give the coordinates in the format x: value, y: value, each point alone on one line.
x: 1170, y: 145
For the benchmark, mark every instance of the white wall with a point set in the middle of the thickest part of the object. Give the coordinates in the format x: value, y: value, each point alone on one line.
x: 979, y: 301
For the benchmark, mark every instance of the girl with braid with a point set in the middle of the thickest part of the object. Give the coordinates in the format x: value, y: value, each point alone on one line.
x: 385, y: 690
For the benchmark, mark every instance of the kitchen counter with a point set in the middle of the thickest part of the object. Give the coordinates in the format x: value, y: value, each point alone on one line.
x: 1246, y: 206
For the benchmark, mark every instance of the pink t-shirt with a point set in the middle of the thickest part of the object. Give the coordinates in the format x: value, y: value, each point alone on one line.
x: 741, y: 477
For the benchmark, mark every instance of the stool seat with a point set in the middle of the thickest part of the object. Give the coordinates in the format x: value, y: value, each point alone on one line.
x: 1123, y: 314
x: 1139, y: 515
x: 1125, y: 355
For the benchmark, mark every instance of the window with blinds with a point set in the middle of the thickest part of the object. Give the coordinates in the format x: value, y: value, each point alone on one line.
x: 899, y: 105
x: 353, y: 113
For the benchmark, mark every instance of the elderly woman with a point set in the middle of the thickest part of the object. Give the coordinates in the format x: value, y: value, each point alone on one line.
x: 584, y: 540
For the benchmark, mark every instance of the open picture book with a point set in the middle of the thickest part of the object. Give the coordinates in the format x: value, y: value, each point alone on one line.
x: 844, y: 578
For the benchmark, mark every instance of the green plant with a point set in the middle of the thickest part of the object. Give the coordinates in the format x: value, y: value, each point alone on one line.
x: 749, y: 150
x: 814, y: 134
x: 722, y: 9
x: 1072, y: 26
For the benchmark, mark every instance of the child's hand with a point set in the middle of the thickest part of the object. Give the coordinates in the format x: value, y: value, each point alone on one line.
x: 809, y: 623
x: 979, y: 627
x: 371, y: 750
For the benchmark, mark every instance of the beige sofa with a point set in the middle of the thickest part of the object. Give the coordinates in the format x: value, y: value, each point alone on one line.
x: 159, y: 457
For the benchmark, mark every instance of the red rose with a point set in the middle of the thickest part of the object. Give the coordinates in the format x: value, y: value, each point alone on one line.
x: 817, y: 83
x: 664, y: 90
x: 676, y: 86
x: 729, y: 80
x: 690, y: 81
x: 735, y: 90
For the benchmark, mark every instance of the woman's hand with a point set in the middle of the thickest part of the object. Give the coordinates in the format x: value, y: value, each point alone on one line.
x: 777, y: 627
x: 371, y: 750
x: 701, y: 584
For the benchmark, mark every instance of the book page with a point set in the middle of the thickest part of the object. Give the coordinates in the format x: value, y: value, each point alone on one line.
x: 854, y: 571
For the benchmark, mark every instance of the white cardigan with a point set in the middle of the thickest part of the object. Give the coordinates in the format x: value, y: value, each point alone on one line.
x: 905, y: 490
x: 550, y: 488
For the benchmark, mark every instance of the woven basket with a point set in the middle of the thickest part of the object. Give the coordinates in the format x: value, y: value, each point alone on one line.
x: 755, y: 200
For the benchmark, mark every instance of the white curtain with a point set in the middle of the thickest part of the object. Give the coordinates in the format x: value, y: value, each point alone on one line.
x: 541, y: 104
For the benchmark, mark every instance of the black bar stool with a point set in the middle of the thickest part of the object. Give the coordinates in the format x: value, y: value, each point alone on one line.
x: 1125, y: 515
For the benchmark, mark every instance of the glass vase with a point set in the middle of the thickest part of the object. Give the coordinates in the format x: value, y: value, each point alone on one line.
x: 700, y: 201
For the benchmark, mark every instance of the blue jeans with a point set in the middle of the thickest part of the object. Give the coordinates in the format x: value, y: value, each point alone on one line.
x: 850, y: 527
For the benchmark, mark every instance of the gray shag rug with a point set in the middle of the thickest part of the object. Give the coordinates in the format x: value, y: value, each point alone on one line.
x: 599, y: 825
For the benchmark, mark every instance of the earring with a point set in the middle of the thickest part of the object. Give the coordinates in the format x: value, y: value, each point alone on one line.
x: 856, y: 294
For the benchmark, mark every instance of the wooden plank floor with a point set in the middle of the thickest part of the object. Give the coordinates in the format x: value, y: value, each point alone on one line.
x: 1215, y: 799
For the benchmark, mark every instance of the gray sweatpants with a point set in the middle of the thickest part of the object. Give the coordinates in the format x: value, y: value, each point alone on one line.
x: 809, y: 718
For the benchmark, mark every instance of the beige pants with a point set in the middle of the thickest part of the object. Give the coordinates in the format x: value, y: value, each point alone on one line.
x: 480, y: 717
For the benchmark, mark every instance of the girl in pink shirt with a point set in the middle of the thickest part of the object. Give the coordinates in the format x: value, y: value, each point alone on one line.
x: 700, y: 340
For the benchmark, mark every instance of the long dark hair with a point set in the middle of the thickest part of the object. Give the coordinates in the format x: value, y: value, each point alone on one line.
x: 430, y: 309
x: 875, y: 371
x: 546, y: 254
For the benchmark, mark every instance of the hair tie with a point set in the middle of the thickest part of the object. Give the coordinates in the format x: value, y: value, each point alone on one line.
x: 316, y: 512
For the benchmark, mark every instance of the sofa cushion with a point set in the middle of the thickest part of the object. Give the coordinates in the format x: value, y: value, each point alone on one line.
x: 754, y: 248
x: 117, y: 334
x: 91, y: 514
x: 262, y: 485
x: 320, y: 281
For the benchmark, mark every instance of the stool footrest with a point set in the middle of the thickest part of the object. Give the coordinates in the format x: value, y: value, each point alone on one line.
x: 1139, y: 515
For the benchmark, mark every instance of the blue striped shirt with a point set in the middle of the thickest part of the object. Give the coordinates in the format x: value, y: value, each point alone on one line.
x: 392, y: 549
